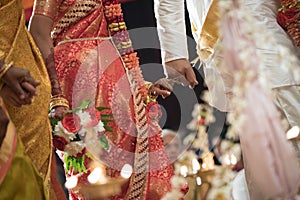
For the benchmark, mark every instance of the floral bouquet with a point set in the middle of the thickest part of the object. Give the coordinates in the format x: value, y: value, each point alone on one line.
x: 80, y: 134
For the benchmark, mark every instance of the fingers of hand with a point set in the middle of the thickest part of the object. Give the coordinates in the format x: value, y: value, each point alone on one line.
x: 31, y: 81
x: 29, y: 88
x: 165, y: 83
x: 156, y: 91
x: 58, y: 112
x: 191, y: 77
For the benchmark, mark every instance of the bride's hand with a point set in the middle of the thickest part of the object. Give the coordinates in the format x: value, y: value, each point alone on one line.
x: 58, y: 112
x: 159, y: 89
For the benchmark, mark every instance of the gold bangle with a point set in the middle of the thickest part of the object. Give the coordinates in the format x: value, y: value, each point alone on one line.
x: 58, y: 100
x: 5, y: 68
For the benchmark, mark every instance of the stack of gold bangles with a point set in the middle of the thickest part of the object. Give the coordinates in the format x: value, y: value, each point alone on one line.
x: 58, y: 100
x: 150, y: 97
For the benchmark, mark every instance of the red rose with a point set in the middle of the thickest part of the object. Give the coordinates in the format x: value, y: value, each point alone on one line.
x: 59, y: 142
x: 154, y: 111
x: 71, y: 122
x: 95, y: 116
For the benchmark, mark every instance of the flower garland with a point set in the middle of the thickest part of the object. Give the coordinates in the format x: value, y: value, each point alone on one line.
x: 69, y: 134
x: 289, y: 18
x: 121, y: 40
x: 120, y: 35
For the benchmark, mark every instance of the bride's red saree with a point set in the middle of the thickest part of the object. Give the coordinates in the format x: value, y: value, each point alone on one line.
x: 95, y: 61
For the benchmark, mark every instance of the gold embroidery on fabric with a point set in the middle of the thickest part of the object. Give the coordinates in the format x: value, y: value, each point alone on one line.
x: 78, y: 11
x: 209, y: 34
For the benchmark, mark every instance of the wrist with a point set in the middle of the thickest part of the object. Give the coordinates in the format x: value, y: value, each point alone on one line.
x: 58, y: 100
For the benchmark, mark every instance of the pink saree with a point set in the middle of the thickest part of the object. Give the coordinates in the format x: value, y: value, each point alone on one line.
x: 93, y: 65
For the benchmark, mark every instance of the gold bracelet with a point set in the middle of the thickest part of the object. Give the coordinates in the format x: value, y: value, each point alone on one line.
x: 5, y: 68
x: 58, y: 100
x: 148, y: 85
x: 149, y: 98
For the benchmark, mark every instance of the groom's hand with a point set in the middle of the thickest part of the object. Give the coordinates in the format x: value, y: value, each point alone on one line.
x: 181, y: 71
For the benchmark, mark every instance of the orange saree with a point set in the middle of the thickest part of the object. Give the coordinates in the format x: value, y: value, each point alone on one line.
x: 95, y: 61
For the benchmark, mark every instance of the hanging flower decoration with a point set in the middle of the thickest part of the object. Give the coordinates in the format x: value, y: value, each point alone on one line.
x: 120, y: 35
x: 70, y: 131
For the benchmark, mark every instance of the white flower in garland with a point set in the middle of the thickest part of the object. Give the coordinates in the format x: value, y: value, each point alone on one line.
x: 74, y: 148
x: 59, y: 130
x: 85, y: 117
x: 173, y: 195
x: 99, y: 127
x: 177, y: 182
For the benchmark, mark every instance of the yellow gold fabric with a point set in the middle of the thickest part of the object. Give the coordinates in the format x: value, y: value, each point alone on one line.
x: 210, y: 33
x: 19, y: 179
x: 31, y: 122
x: 22, y: 181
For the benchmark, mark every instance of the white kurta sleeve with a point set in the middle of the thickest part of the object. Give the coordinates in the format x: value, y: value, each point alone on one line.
x: 171, y: 29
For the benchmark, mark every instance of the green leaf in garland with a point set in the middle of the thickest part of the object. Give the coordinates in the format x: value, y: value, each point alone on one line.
x: 84, y: 104
x: 106, y: 127
x: 102, y: 108
x: 77, y: 164
x: 107, y: 120
x: 106, y: 116
x: 54, y: 121
x: 104, y: 142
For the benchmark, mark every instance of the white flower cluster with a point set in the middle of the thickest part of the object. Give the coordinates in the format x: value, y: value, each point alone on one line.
x: 75, y: 147
x: 177, y: 182
x: 255, y: 35
x: 59, y: 130
x: 202, y: 117
x: 221, y: 187
x: 228, y: 147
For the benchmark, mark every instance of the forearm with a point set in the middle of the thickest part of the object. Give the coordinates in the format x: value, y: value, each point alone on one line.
x: 42, y: 38
x: 171, y: 29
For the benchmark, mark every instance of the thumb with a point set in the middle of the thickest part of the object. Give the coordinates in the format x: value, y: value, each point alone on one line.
x: 191, y: 77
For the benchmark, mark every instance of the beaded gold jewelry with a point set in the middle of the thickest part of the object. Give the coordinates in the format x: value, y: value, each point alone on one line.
x: 5, y: 68
x: 149, y: 98
x: 58, y: 100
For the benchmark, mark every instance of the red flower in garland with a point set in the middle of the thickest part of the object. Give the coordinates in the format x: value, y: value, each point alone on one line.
x: 154, y: 111
x: 201, y: 121
x: 71, y: 122
x: 59, y: 142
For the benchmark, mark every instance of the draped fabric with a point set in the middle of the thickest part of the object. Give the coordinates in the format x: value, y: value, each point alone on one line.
x: 274, y: 174
x: 90, y: 67
x: 31, y: 121
x: 16, y: 168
